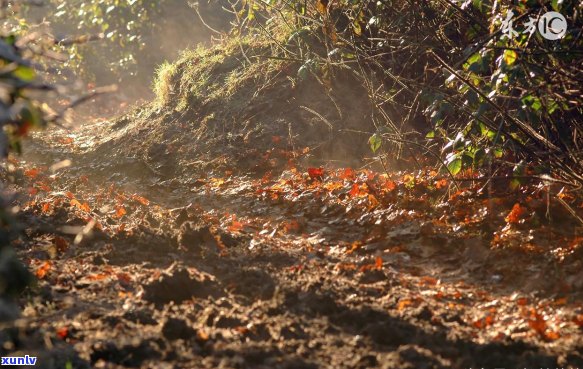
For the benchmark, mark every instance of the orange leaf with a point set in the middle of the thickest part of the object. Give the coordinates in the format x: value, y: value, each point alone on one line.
x: 355, y: 190
x: 347, y: 173
x: 291, y: 225
x: 429, y: 281
x: 515, y: 214
x: 63, y: 332
x: 358, y: 190
x: 315, y: 172
x: 537, y: 322
x: 522, y: 301
x: 403, y: 304
x: 202, y: 336
x: 46, y: 207
x: 141, y: 200
x: 552, y: 335
x: 355, y: 246
x: 441, y: 183
x: 321, y: 6
x: 390, y: 185
x: 484, y: 322
x: 236, y: 226
x: 70, y: 195
x: 97, y: 277
x: 578, y: 319
x: 120, y: 211
x: 42, y: 272
x: 32, y: 173
x: 276, y: 139
x: 379, y: 263
x: 77, y: 204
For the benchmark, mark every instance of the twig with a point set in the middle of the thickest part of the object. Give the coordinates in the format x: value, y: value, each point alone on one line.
x: 569, y: 209
x: 195, y: 7
x: 80, y: 100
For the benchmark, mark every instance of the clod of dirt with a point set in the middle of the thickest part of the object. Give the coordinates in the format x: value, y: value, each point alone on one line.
x: 177, y: 285
x: 252, y: 283
x: 140, y: 316
x: 127, y: 355
x: 196, y: 237
x: 175, y: 329
x: 413, y: 357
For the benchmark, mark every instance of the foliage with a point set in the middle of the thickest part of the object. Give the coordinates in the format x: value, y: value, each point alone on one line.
x: 465, y: 91
x: 128, y: 36
x: 19, y: 113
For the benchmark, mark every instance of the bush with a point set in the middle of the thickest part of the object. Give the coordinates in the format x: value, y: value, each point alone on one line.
x: 19, y: 113
x: 445, y: 76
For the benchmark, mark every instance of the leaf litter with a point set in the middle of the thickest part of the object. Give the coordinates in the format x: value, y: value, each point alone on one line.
x: 396, y: 259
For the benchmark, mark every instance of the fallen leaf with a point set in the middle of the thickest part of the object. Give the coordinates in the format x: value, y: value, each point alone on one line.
x: 404, y: 304
x: 43, y: 270
x: 441, y: 183
x: 389, y: 185
x: 63, y: 332
x: 347, y: 173
x: 235, y: 226
x: 515, y: 214
x: 484, y: 322
x: 522, y: 301
x: 32, y: 173
x: 120, y: 211
x: 202, y: 336
x: 97, y: 277
x: 429, y: 281
x: 315, y: 172
x: 379, y: 263
x: 46, y: 207
x: 141, y: 200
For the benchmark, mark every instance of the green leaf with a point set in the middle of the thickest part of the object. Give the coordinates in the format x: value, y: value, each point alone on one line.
x: 431, y: 134
x: 375, y: 142
x: 356, y: 27
x: 515, y: 184
x: 24, y: 73
x: 510, y: 57
x: 455, y: 165
x: 479, y: 156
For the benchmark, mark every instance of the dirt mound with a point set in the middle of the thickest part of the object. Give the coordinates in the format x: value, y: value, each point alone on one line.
x: 178, y: 285
x: 237, y: 110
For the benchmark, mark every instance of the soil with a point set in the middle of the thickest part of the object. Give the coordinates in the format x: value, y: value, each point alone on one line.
x: 166, y: 245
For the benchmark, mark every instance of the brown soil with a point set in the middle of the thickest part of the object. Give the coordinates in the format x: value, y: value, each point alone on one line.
x: 182, y: 239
